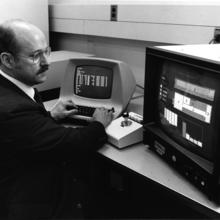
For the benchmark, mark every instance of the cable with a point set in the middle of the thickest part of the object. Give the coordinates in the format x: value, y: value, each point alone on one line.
x: 138, y: 96
x: 212, y: 41
x: 139, y: 86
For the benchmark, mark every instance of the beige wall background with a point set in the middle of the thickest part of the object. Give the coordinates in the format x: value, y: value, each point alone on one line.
x: 85, y: 26
x: 35, y: 11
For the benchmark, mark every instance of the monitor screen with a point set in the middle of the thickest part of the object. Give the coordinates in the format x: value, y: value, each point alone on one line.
x: 187, y: 100
x: 93, y: 82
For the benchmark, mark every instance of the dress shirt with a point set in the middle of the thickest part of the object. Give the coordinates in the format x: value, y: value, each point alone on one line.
x: 25, y: 88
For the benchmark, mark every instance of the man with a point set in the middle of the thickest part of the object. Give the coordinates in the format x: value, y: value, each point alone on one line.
x: 32, y: 143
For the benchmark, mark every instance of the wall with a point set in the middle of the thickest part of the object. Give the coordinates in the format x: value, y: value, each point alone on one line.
x: 35, y: 11
x: 165, y: 22
x: 87, y: 27
x: 129, y: 51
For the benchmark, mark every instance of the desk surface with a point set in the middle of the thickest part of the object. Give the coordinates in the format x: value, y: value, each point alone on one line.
x: 145, y: 162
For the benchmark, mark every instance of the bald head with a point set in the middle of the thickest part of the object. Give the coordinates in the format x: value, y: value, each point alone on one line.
x: 15, y: 35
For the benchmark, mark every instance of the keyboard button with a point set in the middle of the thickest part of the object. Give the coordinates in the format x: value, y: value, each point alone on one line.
x: 85, y: 110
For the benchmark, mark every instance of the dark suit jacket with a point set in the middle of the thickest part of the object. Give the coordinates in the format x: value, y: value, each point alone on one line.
x: 32, y: 145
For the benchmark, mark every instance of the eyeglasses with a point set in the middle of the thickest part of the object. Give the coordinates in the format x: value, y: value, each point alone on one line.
x: 36, y: 56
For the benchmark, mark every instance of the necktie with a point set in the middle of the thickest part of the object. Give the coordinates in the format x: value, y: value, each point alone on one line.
x: 37, y: 97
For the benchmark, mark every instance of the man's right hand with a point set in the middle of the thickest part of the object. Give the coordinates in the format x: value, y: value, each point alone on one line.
x: 103, y: 115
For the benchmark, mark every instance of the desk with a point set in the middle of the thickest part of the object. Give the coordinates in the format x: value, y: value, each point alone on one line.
x: 141, y: 160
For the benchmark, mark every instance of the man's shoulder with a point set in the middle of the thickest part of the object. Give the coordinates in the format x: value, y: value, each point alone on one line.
x: 11, y: 100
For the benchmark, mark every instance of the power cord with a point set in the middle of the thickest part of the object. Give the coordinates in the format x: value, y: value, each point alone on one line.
x: 215, y: 39
x: 139, y: 95
x: 139, y: 86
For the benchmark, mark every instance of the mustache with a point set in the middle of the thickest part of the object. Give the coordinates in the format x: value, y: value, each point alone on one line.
x: 43, y: 69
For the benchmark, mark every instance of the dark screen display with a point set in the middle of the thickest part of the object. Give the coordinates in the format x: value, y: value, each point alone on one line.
x: 186, y: 101
x: 93, y: 82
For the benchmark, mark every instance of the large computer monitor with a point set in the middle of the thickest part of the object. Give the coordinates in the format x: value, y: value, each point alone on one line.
x: 93, y: 82
x: 182, y: 114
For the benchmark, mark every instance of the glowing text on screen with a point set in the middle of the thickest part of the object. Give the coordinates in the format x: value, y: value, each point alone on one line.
x: 93, y: 82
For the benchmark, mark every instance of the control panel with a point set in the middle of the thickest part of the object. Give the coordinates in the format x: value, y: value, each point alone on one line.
x: 125, y: 130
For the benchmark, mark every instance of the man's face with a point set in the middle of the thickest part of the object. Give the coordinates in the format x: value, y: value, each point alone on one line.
x: 32, y: 60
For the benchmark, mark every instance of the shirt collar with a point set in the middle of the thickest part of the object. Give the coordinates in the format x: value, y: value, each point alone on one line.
x: 25, y: 88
